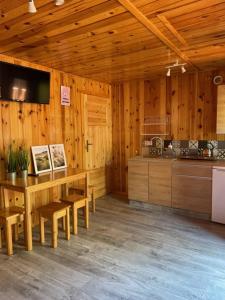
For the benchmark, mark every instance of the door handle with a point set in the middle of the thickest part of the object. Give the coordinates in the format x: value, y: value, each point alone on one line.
x: 87, y: 145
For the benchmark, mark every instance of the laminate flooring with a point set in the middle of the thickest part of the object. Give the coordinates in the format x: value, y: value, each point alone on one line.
x: 126, y: 254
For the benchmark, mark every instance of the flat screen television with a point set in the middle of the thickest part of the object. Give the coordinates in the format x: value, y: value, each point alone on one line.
x: 24, y: 84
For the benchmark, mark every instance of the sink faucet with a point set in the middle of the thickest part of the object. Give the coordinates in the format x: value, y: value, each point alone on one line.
x: 161, y: 143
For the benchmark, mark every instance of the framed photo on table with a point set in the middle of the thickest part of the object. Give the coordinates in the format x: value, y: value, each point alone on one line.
x: 41, y: 159
x: 58, y: 157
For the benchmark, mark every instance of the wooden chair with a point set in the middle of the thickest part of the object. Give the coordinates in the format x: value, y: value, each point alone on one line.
x: 9, y: 217
x: 53, y: 212
x: 91, y: 191
x: 77, y: 201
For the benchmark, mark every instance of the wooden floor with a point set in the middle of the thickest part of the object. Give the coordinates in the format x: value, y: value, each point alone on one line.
x: 126, y: 254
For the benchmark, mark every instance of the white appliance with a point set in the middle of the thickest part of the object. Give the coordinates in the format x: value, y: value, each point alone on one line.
x: 218, y: 195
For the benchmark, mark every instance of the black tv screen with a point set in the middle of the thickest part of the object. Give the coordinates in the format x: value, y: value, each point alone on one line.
x: 23, y: 84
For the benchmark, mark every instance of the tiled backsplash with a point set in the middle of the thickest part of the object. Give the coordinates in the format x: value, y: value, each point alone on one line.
x: 193, y: 147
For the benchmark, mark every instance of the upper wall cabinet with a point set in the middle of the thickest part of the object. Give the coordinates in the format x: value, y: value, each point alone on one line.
x: 220, y: 123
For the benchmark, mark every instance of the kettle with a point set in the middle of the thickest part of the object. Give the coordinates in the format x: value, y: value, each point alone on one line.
x: 207, y: 152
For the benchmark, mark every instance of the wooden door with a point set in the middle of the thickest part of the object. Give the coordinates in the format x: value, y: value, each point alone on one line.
x: 98, y: 141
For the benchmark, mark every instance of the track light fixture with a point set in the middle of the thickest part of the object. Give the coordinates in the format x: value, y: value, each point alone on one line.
x: 168, y: 72
x: 31, y: 7
x: 183, y: 70
x: 59, y: 2
x: 175, y: 65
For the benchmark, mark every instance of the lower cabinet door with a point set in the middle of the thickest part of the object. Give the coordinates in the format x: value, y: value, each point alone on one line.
x: 192, y: 193
x: 138, y: 180
x: 160, y: 183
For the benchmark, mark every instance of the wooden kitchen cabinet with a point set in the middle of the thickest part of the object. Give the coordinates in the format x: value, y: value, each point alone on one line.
x: 138, y: 180
x: 179, y: 184
x: 192, y: 187
x: 160, y: 183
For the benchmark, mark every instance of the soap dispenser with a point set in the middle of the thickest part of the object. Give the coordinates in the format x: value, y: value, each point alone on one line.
x: 170, y: 146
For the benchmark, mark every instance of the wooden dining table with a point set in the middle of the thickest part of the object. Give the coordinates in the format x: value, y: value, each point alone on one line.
x: 33, y: 184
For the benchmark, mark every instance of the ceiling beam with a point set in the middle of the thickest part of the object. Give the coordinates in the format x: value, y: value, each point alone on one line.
x: 170, y: 27
x: 154, y: 29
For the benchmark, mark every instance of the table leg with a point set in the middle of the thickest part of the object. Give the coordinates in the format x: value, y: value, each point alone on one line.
x: 28, y: 221
x: 86, y: 185
x: 65, y: 191
x: 2, y: 201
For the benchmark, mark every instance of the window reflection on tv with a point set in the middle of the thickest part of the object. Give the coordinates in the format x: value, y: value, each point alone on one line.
x: 23, y: 84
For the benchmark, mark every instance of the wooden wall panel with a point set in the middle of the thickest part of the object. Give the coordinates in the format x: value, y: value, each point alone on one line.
x: 37, y: 124
x: 127, y: 99
x: 189, y: 99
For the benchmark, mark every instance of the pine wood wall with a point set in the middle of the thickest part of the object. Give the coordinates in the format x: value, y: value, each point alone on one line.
x: 37, y: 124
x: 189, y: 99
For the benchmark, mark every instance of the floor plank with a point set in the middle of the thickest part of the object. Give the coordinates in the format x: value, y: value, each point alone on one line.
x: 126, y: 254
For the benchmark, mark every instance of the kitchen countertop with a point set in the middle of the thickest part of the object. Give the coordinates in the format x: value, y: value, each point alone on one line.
x: 219, y: 163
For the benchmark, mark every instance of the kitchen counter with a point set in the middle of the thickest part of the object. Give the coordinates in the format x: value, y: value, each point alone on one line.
x: 168, y: 181
x: 219, y: 163
x: 141, y: 158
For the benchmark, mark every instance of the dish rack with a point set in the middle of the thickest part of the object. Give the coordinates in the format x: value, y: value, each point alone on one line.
x: 157, y: 126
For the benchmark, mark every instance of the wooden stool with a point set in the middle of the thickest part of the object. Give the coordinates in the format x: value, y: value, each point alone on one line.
x: 91, y: 189
x: 8, y: 217
x: 54, y: 211
x: 76, y: 202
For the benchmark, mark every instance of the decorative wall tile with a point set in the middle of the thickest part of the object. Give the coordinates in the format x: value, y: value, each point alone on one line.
x: 221, y: 154
x: 153, y: 151
x: 202, y: 144
x: 221, y: 144
x: 215, y: 152
x: 176, y: 144
x: 184, y: 144
x: 159, y: 143
x: 212, y: 144
x: 193, y: 144
x: 184, y: 151
x: 193, y: 152
x: 177, y: 151
x: 191, y: 147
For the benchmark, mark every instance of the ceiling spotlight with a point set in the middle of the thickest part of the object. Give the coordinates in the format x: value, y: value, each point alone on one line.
x: 168, y: 73
x: 183, y: 70
x: 31, y: 7
x: 59, y: 2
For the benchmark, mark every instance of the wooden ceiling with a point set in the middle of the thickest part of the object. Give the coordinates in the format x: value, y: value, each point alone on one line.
x: 113, y: 40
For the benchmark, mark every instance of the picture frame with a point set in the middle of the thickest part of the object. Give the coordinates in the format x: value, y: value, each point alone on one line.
x: 58, y: 157
x: 41, y: 159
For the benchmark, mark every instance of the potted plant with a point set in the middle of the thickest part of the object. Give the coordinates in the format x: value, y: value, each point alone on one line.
x: 11, y: 163
x: 23, y: 161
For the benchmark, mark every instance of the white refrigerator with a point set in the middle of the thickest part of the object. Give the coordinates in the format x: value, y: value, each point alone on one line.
x: 218, y: 195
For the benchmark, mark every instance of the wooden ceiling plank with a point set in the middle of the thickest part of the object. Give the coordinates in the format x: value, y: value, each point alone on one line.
x: 203, y: 15
x: 80, y: 35
x: 78, y: 44
x: 190, y: 8
x: 59, y: 21
x: 153, y: 29
x: 124, y: 60
x: 86, y: 30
